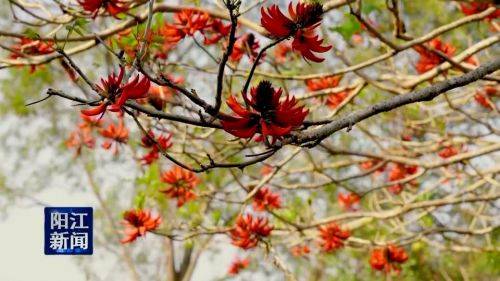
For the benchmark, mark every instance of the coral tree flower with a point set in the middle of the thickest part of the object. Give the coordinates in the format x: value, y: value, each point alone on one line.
x: 116, y: 135
x: 388, y: 259
x: 348, y: 201
x: 265, y: 199
x: 300, y: 250
x: 186, y: 23
x: 266, y: 115
x: 300, y: 25
x: 118, y: 93
x: 472, y: 8
x: 428, y: 60
x: 249, y: 230
x: 483, y: 96
x: 113, y: 7
x: 448, y: 152
x: 237, y: 265
x: 30, y: 47
x: 180, y: 184
x: 318, y: 84
x: 160, y: 143
x: 399, y: 172
x: 281, y: 51
x: 216, y: 31
x: 137, y: 223
x: 245, y: 45
x: 332, y: 237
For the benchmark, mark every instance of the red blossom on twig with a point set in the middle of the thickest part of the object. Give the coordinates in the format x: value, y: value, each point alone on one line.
x: 265, y: 199
x: 249, y: 230
x: 113, y: 7
x: 237, y: 265
x: 137, y: 223
x: 388, y: 258
x: 348, y: 201
x: 155, y: 145
x: 180, y: 184
x: 332, y: 237
x: 428, y: 59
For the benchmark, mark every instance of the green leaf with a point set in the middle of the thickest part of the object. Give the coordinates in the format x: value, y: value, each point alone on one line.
x: 349, y: 27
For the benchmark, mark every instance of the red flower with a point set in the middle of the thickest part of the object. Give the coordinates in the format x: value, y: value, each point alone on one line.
x: 237, y: 265
x: 266, y: 170
x: 265, y: 199
x: 181, y: 183
x: 300, y: 250
x: 472, y: 8
x: 318, y: 84
x: 267, y: 116
x: 116, y: 135
x: 388, y: 259
x: 348, y: 201
x: 428, y: 60
x: 162, y: 143
x: 483, y: 96
x: 281, y: 51
x: 249, y: 230
x: 368, y: 164
x: 113, y: 7
x: 117, y: 93
x: 300, y: 25
x: 186, y: 23
x: 137, y: 223
x: 399, y: 172
x: 216, y: 32
x: 82, y: 135
x: 332, y: 237
x: 448, y: 152
x: 334, y: 100
x: 30, y: 47
x: 246, y: 44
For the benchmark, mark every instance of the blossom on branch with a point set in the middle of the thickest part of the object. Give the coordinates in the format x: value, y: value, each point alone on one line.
x: 155, y: 146
x: 332, y: 237
x: 300, y: 25
x: 186, y: 23
x: 116, y: 135
x: 180, y: 184
x: 237, y: 265
x: 113, y: 7
x: 245, y: 45
x: 471, y: 8
x: 249, y: 230
x: 137, y: 223
x: 265, y: 199
x: 388, y: 258
x: 348, y: 201
x: 266, y: 115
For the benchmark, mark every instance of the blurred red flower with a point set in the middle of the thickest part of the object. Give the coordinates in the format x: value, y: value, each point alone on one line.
x: 216, y: 31
x: 300, y: 250
x: 113, y: 7
x: 237, y: 265
x: 186, y: 23
x: 245, y: 45
x: 332, y: 237
x: 448, y: 152
x: 267, y: 115
x: 281, y: 51
x: 399, y: 172
x: 318, y: 84
x: 300, y: 25
x: 348, y: 201
x: 388, y: 258
x: 137, y: 223
x: 249, y: 230
x: 162, y: 143
x: 484, y: 96
x: 471, y: 8
x: 116, y: 134
x: 428, y: 60
x: 180, y: 184
x: 265, y: 199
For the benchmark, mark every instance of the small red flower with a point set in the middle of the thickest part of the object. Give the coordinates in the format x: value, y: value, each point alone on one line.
x: 117, y: 134
x: 82, y: 135
x: 180, y: 184
x: 281, y: 51
x: 137, y: 223
x: 388, y: 259
x: 369, y: 164
x: 162, y: 143
x: 113, y: 7
x: 30, y: 47
x: 216, y: 31
x: 448, y: 152
x: 484, y: 96
x: 332, y: 237
x: 300, y: 250
x: 117, y: 93
x: 245, y: 45
x: 472, y: 8
x: 267, y: 115
x: 249, y: 230
x: 318, y: 84
x: 334, y: 100
x: 266, y: 170
x: 265, y: 199
x: 348, y: 201
x: 186, y: 23
x: 237, y: 265
x: 300, y: 25
x: 399, y: 172
x: 428, y: 60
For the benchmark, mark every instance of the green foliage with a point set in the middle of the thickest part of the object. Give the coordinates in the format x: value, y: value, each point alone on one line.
x: 348, y: 28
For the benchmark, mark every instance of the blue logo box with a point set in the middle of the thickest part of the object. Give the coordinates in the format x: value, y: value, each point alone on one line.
x: 68, y: 231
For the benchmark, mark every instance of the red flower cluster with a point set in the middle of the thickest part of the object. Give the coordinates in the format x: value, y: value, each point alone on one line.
x: 113, y: 7
x: 398, y: 172
x: 318, y: 84
x: 162, y: 143
x: 334, y: 100
x: 189, y: 21
x: 82, y: 135
x: 181, y: 183
x: 137, y: 223
x: 300, y: 250
x: 245, y: 45
x: 484, y: 96
x: 472, y: 8
x: 249, y: 230
x: 237, y: 265
x: 448, y: 152
x: 117, y: 134
x: 369, y: 164
x: 267, y: 115
x: 265, y: 199
x: 30, y: 47
x: 332, y: 237
x: 300, y: 25
x: 428, y: 60
x: 388, y: 259
x: 281, y: 51
x: 117, y: 93
x: 348, y: 201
